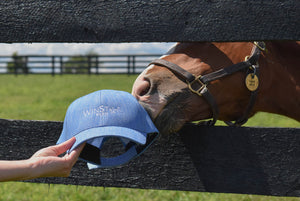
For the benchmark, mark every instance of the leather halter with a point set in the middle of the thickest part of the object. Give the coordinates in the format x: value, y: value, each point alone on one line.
x: 198, y: 84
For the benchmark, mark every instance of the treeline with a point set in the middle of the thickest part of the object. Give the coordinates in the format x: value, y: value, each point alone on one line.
x: 74, y: 64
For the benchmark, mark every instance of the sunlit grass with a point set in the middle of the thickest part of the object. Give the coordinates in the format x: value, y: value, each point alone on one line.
x: 262, y: 119
x: 42, y: 97
x: 15, y: 191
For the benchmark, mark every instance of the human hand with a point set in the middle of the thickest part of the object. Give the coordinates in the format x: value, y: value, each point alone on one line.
x: 47, y: 163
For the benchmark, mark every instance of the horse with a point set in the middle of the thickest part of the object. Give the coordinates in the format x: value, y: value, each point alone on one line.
x: 229, y: 81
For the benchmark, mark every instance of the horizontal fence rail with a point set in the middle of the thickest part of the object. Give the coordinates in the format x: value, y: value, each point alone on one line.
x: 75, y: 64
x: 262, y: 161
x: 148, y: 21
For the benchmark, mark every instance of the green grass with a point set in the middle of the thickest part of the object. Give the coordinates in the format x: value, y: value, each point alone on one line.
x: 14, y: 191
x: 42, y: 97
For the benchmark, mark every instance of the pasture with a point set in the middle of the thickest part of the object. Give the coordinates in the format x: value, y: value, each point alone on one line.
x: 42, y: 97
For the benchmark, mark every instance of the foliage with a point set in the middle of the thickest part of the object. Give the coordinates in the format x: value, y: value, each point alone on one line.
x: 80, y: 64
x: 17, y: 65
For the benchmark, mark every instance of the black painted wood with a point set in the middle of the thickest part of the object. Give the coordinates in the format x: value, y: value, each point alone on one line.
x: 244, y: 160
x: 148, y: 21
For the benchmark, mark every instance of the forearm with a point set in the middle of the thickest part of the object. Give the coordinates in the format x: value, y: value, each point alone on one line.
x: 44, y: 163
x: 16, y: 170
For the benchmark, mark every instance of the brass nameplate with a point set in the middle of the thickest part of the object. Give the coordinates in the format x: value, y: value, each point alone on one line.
x: 252, y: 82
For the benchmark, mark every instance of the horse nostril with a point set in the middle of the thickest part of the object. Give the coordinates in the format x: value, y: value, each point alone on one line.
x: 144, y: 87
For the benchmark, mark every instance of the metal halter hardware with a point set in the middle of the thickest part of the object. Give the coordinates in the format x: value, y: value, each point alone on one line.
x: 250, y: 63
x: 196, y: 80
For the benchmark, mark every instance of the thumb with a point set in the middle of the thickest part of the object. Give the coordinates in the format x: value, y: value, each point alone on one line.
x: 73, y: 156
x: 63, y: 147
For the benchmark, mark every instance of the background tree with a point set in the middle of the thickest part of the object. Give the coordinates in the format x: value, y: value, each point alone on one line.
x: 81, y: 63
x: 18, y: 64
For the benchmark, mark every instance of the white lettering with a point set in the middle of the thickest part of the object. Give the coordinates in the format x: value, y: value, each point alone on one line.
x: 101, y: 110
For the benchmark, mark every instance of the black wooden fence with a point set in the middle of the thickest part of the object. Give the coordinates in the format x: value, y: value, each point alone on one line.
x: 148, y: 21
x: 213, y: 159
x: 75, y: 64
x: 209, y: 159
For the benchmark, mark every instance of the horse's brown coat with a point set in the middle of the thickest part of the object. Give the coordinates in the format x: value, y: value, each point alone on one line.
x: 171, y: 104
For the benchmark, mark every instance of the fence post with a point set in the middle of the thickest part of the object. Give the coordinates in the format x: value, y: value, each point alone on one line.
x: 16, y: 67
x: 133, y: 64
x: 97, y: 65
x: 53, y: 67
x: 61, y: 64
x: 89, y: 65
x: 25, y: 66
x: 128, y: 64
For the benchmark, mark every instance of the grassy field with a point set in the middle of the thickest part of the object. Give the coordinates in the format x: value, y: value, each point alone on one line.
x: 42, y: 97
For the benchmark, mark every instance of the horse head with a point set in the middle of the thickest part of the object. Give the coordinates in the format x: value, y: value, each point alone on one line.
x: 169, y: 101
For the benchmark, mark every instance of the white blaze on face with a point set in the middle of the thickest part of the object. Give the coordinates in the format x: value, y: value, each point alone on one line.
x: 156, y: 101
x: 140, y: 78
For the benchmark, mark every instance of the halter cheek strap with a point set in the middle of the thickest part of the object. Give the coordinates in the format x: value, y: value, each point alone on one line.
x: 195, y: 85
x: 199, y: 84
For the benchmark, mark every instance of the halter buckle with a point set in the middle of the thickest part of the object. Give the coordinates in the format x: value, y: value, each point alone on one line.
x: 197, y: 81
x: 260, y: 45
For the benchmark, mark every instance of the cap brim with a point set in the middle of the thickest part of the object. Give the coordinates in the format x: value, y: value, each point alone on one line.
x: 109, y: 131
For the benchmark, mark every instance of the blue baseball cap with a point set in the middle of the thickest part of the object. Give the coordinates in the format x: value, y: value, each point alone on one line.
x: 104, y: 114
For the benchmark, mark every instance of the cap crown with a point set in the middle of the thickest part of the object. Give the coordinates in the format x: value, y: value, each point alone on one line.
x: 106, y: 108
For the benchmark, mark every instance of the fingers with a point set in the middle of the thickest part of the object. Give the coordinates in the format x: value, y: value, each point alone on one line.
x: 49, y: 165
x: 63, y: 147
x: 80, y: 147
x: 73, y: 156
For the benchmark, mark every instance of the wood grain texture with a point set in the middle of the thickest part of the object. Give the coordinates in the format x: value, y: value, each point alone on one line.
x: 243, y: 160
x: 148, y: 21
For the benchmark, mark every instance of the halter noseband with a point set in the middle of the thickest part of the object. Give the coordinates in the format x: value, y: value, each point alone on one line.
x: 198, y: 84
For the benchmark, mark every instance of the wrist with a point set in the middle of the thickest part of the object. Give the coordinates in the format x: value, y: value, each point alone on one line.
x: 34, y: 170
